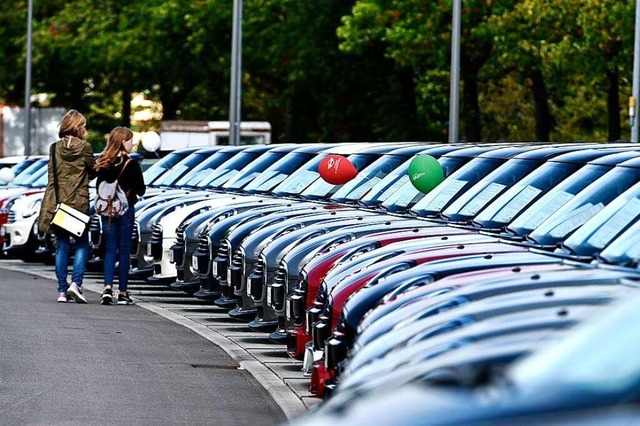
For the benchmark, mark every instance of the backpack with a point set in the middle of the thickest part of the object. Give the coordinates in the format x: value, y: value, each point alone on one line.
x: 111, y: 200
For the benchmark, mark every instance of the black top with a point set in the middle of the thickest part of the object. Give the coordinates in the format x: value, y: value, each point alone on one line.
x: 131, y: 180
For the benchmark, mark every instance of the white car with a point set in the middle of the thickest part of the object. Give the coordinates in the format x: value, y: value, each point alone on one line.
x: 20, y: 232
x: 165, y: 231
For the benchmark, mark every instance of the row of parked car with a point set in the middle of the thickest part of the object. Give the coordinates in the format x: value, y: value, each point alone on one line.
x: 409, y: 307
x: 23, y: 180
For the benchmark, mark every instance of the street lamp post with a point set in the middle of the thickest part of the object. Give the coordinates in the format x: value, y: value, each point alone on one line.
x: 27, y: 84
x: 236, y: 75
x: 635, y: 89
x: 454, y: 88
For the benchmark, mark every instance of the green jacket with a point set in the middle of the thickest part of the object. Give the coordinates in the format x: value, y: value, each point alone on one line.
x: 75, y: 168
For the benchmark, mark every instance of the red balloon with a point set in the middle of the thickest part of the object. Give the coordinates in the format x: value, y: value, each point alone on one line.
x: 336, y: 169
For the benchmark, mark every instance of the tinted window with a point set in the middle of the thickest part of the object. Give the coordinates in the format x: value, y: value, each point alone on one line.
x: 461, y: 180
x: 32, y: 172
x: 548, y: 204
x: 520, y: 196
x: 584, y: 206
x: 279, y: 171
x: 203, y: 169
x: 604, y: 227
x: 469, y: 203
x: 228, y: 169
x: 162, y: 165
x: 180, y: 169
x: 254, y: 169
x: 321, y: 189
x: 369, y: 177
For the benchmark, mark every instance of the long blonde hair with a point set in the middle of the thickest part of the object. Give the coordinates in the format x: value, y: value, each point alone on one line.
x: 115, y: 146
x: 71, y: 124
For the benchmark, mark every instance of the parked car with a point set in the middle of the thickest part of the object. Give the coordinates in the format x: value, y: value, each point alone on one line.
x: 623, y: 175
x: 250, y: 161
x: 609, y: 222
x: 447, y: 295
x: 209, y: 159
x: 553, y: 383
x: 493, y: 218
x: 350, y: 194
x: 404, y: 340
x: 236, y: 184
x: 306, y: 285
x: 305, y: 184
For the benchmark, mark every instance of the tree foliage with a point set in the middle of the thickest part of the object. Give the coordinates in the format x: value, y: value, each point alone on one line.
x: 335, y: 70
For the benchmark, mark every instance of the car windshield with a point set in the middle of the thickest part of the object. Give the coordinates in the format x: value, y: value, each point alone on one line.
x: 228, y: 169
x: 548, y: 204
x: 396, y: 193
x: 161, y: 166
x: 181, y: 168
x: 296, y: 182
x: 469, y: 203
x: 576, y: 211
x: 253, y: 169
x: 407, y: 195
x: 610, y: 222
x: 42, y: 180
x: 521, y: 195
x: 463, y: 179
x: 19, y: 168
x: 595, y: 358
x: 199, y: 171
x: 322, y: 189
x: 30, y: 173
x: 625, y: 249
x: 279, y: 171
x: 367, y: 178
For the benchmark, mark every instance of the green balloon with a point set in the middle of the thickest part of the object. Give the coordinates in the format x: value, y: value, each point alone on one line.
x: 425, y: 173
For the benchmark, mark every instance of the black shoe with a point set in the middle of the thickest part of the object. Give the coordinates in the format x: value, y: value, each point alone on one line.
x: 107, y: 296
x: 124, y: 299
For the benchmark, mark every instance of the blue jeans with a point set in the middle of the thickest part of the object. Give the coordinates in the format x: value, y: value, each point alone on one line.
x: 117, y: 241
x: 63, y: 247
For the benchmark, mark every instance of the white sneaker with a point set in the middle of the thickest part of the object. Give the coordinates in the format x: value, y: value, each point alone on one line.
x: 62, y: 297
x: 75, y: 293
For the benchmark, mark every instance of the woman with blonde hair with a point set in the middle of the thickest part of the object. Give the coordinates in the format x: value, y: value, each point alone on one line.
x: 71, y: 159
x: 115, y: 164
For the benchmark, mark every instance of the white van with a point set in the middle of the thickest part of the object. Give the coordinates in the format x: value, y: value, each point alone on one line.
x: 184, y: 134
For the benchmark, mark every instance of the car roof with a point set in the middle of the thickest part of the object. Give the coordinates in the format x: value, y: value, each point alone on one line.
x: 471, y: 151
x: 285, y: 147
x: 367, y: 147
x: 633, y: 162
x: 313, y: 147
x: 187, y: 150
x: 440, y: 150
x: 413, y: 149
x: 507, y: 152
x: 548, y: 152
x: 585, y: 155
x: 13, y: 159
x: 616, y: 159
x: 257, y: 148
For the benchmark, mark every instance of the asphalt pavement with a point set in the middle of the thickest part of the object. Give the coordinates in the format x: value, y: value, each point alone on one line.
x: 68, y: 363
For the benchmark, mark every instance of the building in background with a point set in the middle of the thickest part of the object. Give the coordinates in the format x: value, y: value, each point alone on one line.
x: 44, y: 129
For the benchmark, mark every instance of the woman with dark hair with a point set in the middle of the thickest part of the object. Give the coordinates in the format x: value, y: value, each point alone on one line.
x: 71, y: 159
x: 115, y: 164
